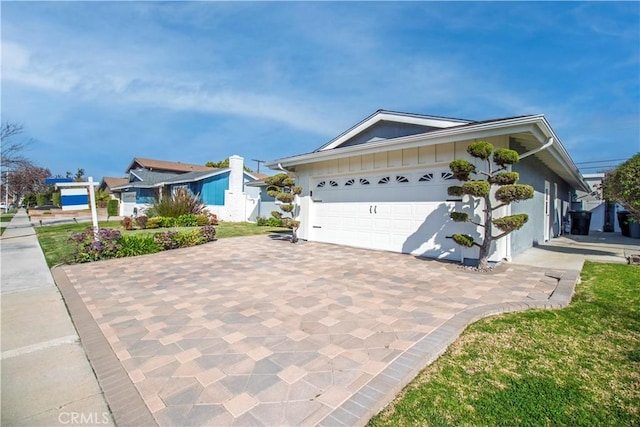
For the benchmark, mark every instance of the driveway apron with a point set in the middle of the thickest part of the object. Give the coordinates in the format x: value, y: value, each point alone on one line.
x: 258, y: 331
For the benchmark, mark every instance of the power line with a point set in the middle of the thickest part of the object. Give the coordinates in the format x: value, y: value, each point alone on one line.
x: 600, y: 161
x: 258, y: 161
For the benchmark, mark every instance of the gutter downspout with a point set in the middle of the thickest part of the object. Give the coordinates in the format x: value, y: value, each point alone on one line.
x: 546, y: 145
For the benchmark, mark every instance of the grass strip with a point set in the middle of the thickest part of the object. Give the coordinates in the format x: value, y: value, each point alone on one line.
x: 579, y: 366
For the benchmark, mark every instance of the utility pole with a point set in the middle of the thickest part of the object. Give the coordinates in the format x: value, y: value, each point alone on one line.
x: 258, y: 161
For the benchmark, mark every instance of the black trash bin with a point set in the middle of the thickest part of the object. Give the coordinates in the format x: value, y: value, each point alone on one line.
x: 580, y: 221
x: 623, y: 221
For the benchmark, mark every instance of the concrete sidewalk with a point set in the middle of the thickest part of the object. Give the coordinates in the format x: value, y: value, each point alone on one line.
x: 46, y: 377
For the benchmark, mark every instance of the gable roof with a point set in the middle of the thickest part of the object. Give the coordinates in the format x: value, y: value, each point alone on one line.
x: 534, y: 130
x: 108, y: 182
x: 163, y: 165
x: 422, y: 124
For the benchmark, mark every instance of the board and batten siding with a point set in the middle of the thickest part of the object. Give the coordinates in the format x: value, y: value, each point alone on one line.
x: 411, y: 163
x: 212, y: 189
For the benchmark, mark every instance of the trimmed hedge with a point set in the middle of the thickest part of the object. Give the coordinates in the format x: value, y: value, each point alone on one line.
x: 514, y: 193
x: 463, y: 240
x: 112, y: 207
x: 459, y: 216
x: 511, y: 222
x: 455, y: 190
x: 478, y: 188
x: 505, y: 178
x: 462, y: 169
x: 481, y: 149
x: 504, y: 156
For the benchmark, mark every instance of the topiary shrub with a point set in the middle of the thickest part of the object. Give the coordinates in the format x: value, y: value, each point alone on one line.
x: 282, y: 187
x: 504, y: 178
x: 507, y: 192
x: 463, y: 240
x: 514, y: 193
x: 455, y: 190
x: 480, y: 149
x: 112, y: 207
x: 459, y: 216
x: 511, y: 223
x: 504, y: 156
x: 476, y: 188
x: 461, y: 169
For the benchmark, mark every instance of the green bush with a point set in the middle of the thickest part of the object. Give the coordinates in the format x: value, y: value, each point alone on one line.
x: 480, y: 149
x: 166, y: 222
x: 42, y: 199
x: 207, y: 233
x: 504, y: 156
x: 154, y: 222
x: 455, y: 190
x: 56, y: 199
x: 262, y: 221
x: 514, y: 193
x: 202, y: 220
x: 274, y: 222
x: 463, y: 240
x: 187, y: 220
x: 461, y: 169
x: 189, y: 238
x: 479, y: 188
x: 505, y: 178
x: 137, y: 245
x: 511, y: 222
x: 459, y: 216
x: 112, y: 207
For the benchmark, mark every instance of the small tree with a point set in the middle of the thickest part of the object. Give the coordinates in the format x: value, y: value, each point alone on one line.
x: 508, y: 192
x: 282, y: 187
x: 623, y: 185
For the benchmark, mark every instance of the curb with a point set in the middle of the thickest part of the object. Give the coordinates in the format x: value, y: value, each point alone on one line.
x: 126, y: 405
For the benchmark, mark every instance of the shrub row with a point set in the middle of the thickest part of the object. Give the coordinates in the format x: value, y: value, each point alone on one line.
x: 185, y: 220
x: 111, y: 243
x: 269, y: 222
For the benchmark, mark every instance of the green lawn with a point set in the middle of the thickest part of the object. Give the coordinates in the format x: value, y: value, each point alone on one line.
x: 57, y: 249
x: 2, y: 230
x: 579, y: 366
x: 6, y: 217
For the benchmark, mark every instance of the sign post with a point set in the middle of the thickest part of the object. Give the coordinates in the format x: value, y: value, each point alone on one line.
x: 92, y: 199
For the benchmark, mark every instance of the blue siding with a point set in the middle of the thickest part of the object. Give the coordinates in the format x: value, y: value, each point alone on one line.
x: 212, y: 189
x: 145, y: 195
x: 79, y: 199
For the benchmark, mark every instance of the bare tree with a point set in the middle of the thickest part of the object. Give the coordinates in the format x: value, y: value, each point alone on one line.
x: 27, y: 178
x: 13, y: 145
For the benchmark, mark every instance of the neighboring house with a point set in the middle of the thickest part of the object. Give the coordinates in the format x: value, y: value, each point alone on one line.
x: 383, y: 183
x: 109, y: 182
x: 222, y: 190
x: 603, y: 213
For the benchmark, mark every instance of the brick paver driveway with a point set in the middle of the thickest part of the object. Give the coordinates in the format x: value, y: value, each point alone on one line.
x: 257, y: 331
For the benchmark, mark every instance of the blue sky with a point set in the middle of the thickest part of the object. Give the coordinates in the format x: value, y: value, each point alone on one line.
x: 96, y: 84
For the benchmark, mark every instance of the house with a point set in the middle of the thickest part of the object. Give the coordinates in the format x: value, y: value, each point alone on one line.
x: 223, y: 190
x: 382, y: 184
x: 109, y: 182
x: 603, y: 213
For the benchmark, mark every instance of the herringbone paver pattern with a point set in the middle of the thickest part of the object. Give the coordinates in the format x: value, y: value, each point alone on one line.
x: 257, y: 331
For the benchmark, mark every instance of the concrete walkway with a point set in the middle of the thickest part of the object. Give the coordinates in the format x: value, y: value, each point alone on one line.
x: 46, y: 378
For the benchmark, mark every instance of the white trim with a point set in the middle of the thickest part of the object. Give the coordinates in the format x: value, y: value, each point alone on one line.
x: 392, y: 117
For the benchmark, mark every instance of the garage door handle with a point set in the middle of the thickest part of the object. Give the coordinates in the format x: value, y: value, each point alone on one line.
x: 375, y: 209
x: 370, y: 208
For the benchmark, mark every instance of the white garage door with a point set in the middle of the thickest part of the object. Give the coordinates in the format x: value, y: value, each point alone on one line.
x: 399, y: 212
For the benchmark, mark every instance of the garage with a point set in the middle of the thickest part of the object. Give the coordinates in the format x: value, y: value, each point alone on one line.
x: 382, y: 184
x: 404, y: 211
